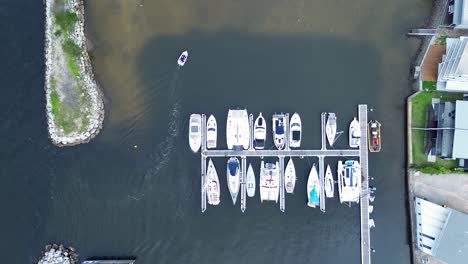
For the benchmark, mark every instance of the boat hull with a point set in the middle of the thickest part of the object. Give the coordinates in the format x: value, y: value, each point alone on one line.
x: 329, y: 183
x: 233, y: 177
x: 212, y: 185
x: 290, y: 177
x: 182, y: 58
x: 374, y: 136
x: 295, y: 131
x: 354, y: 134
x: 330, y: 128
x: 313, y: 188
x: 259, y: 132
x: 279, y: 130
x: 195, y: 132
x: 250, y: 181
x: 269, y: 182
x: 211, y: 132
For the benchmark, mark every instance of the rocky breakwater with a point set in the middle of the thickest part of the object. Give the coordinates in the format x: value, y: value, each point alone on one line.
x: 74, y: 103
x: 58, y: 254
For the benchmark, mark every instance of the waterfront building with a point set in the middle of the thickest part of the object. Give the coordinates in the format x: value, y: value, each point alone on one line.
x: 459, y: 11
x: 441, y: 232
x: 453, y: 70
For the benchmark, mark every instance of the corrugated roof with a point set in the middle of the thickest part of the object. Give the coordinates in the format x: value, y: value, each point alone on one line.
x: 453, y: 244
x: 460, y: 141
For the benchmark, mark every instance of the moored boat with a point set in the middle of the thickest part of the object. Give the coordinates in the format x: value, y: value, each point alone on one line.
x: 250, y: 181
x: 182, y: 58
x: 237, y: 130
x: 331, y: 128
x: 349, y: 181
x: 374, y: 139
x: 295, y: 131
x: 211, y: 132
x: 329, y: 183
x: 279, y: 130
x: 269, y: 182
x: 354, y: 134
x: 259, y: 132
x: 233, y: 177
x: 290, y: 177
x: 212, y: 184
x: 313, y: 188
x: 195, y: 132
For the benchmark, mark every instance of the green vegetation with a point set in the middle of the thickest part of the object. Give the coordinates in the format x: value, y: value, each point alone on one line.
x: 418, y: 114
x: 429, y: 85
x: 66, y: 21
x: 441, y: 40
x: 71, y: 48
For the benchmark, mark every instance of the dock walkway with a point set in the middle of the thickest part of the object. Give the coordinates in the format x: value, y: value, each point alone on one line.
x: 364, y: 199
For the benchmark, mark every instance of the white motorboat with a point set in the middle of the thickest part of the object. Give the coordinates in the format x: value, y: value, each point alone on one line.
x: 290, y: 176
x: 250, y: 181
x: 349, y: 181
x: 329, y: 183
x: 331, y: 128
x: 211, y: 132
x: 269, y: 182
x: 195, y: 132
x: 212, y: 184
x: 237, y: 130
x: 313, y: 188
x: 233, y: 177
x: 182, y: 58
x: 279, y: 130
x: 259, y: 132
x: 295, y: 131
x: 354, y: 134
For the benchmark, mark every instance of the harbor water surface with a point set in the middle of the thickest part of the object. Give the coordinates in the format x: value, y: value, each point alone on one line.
x: 135, y: 189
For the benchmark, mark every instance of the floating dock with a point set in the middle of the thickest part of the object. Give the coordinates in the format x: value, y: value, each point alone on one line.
x: 321, y: 154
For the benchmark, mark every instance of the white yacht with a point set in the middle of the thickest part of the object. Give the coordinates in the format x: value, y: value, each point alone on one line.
x: 290, y: 176
x: 349, y: 181
x: 182, y: 58
x: 295, y: 131
x: 354, y: 134
x: 331, y: 128
x: 313, y: 188
x: 237, y: 130
x: 279, y: 130
x: 329, y: 183
x: 250, y: 181
x: 269, y: 182
x: 259, y: 132
x: 233, y: 177
x: 212, y: 184
x: 195, y: 132
x: 211, y: 132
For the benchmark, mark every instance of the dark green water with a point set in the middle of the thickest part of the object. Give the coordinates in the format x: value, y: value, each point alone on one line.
x: 108, y: 198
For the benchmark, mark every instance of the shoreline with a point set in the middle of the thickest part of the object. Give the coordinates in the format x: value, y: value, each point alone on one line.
x: 89, y: 117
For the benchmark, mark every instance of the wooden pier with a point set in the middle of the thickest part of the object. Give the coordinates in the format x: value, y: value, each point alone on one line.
x: 364, y: 198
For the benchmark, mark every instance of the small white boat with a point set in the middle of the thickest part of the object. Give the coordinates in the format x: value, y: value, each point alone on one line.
x: 349, y: 181
x: 211, y: 132
x: 259, y: 132
x: 212, y: 184
x: 290, y: 176
x: 182, y: 58
x: 250, y: 181
x: 269, y: 182
x: 331, y: 128
x: 233, y: 177
x: 279, y: 130
x: 313, y: 188
x: 295, y: 131
x: 238, y: 129
x: 195, y: 132
x: 329, y: 183
x: 354, y: 134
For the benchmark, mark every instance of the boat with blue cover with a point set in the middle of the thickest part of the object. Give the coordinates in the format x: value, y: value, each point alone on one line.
x: 349, y: 181
x: 279, y: 130
x: 233, y: 177
x: 182, y: 58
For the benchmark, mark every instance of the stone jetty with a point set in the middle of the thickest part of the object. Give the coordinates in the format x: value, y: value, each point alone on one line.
x: 58, y: 254
x: 74, y: 102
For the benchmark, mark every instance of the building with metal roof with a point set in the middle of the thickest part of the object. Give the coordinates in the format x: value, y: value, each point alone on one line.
x: 453, y: 70
x: 441, y: 232
x: 460, y: 138
x: 459, y: 8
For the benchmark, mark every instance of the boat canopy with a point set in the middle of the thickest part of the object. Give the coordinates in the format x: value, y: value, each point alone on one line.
x: 194, y: 129
x: 279, y: 130
x: 314, y: 196
x: 296, y: 135
x: 233, y: 166
x: 211, y: 129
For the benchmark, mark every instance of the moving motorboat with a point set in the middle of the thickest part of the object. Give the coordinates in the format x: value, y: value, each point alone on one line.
x: 354, y: 134
x: 259, y: 132
x: 237, y: 130
x: 279, y: 130
x: 349, y: 181
x: 212, y: 184
x: 195, y: 132
x: 182, y: 58
x: 295, y: 131
x: 233, y: 177
x: 211, y: 132
x: 329, y: 183
x: 313, y: 188
x: 269, y: 182
x: 250, y: 181
x: 373, y: 132
x: 331, y: 128
x: 290, y: 176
